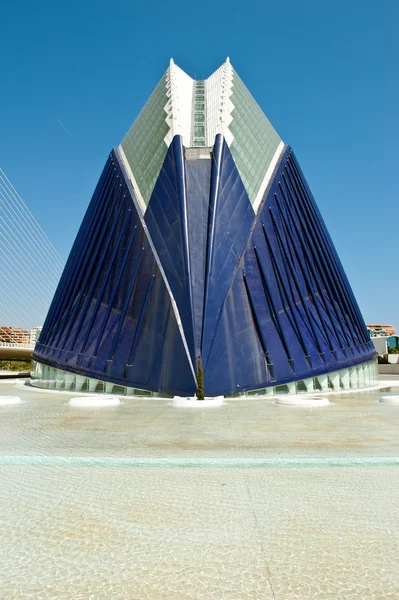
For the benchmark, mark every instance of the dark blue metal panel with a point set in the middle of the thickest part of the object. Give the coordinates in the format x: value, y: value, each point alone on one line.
x: 230, y: 219
x: 75, y: 261
x: 113, y: 318
x: 237, y: 360
x: 198, y: 173
x: 166, y: 219
x: 263, y: 299
x: 290, y: 313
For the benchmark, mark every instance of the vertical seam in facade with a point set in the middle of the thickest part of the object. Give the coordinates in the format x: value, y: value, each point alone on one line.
x: 147, y: 233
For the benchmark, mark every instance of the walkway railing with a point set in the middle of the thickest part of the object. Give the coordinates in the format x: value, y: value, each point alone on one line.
x: 16, y: 345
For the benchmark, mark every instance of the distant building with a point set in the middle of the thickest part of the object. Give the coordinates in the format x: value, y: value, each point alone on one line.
x: 385, y: 344
x: 34, y: 334
x: 380, y: 344
x: 203, y: 245
x: 393, y: 342
x: 378, y: 329
x: 14, y: 335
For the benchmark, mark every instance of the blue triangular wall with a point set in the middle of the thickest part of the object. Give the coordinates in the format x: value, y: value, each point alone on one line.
x: 230, y: 219
x: 290, y: 313
x: 263, y: 299
x: 167, y: 222
x: 111, y: 317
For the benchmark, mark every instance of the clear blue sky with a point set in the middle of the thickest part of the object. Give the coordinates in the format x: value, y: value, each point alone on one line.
x: 325, y: 73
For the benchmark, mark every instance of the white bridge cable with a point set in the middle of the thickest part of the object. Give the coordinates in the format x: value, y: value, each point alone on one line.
x: 13, y: 222
x: 20, y: 299
x: 20, y: 304
x: 27, y: 220
x: 32, y: 221
x: 19, y: 270
x: 4, y: 320
x: 35, y: 241
x: 18, y: 316
x: 16, y: 222
x: 13, y: 219
x: 17, y: 295
x: 23, y: 302
x: 30, y: 266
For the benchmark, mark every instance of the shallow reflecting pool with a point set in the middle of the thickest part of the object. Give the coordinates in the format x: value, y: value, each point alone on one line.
x: 148, y: 501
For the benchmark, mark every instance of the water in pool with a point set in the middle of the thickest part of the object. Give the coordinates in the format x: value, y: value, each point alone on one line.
x: 249, y: 500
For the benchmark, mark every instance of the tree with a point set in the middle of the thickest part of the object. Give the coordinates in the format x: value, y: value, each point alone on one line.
x: 200, y: 380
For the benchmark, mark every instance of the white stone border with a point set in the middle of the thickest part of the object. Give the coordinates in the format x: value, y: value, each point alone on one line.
x: 10, y: 400
x: 300, y: 401
x: 99, y: 401
x: 192, y: 402
x: 20, y: 384
x: 389, y: 400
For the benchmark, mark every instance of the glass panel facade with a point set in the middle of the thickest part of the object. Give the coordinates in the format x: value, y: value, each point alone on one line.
x: 144, y: 144
x: 255, y: 140
x: 198, y: 139
x: 361, y: 376
x: 358, y: 377
x: 50, y: 378
x: 254, y: 145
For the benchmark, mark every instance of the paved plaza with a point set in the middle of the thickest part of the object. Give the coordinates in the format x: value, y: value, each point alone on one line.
x: 146, y: 501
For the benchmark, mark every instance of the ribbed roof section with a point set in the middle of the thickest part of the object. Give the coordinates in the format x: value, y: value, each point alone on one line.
x: 144, y: 145
x: 168, y: 112
x: 229, y: 109
x: 255, y: 141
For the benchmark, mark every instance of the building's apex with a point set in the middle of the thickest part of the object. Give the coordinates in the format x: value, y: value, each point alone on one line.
x: 226, y: 63
x: 199, y: 110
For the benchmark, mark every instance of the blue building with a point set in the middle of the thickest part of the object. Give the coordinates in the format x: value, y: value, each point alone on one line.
x: 392, y: 342
x: 203, y: 239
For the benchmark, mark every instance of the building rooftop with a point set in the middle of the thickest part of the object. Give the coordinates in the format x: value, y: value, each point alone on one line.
x: 198, y: 111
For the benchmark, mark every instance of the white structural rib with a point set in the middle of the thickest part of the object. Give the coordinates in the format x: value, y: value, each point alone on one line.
x: 219, y: 107
x: 179, y: 90
x: 268, y: 174
x: 218, y: 103
x: 140, y: 200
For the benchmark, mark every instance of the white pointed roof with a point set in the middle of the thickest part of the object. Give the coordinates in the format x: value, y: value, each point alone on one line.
x: 229, y: 109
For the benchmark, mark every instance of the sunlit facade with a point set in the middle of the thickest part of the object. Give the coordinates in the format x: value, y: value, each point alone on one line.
x: 352, y: 378
x: 203, y: 239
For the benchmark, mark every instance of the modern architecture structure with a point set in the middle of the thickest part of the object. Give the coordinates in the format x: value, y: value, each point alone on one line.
x: 14, y: 335
x: 34, y: 334
x: 203, y: 239
x: 377, y: 329
x: 380, y: 344
x: 385, y: 345
x: 393, y: 343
